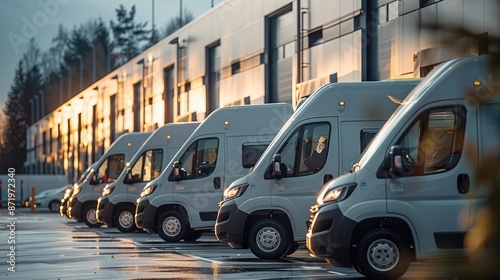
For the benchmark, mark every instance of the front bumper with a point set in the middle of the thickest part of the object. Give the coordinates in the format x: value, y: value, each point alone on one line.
x: 75, y: 209
x: 104, y: 211
x: 230, y: 225
x: 330, y: 233
x: 145, y: 215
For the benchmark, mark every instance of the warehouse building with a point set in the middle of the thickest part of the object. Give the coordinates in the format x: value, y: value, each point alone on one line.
x: 254, y: 52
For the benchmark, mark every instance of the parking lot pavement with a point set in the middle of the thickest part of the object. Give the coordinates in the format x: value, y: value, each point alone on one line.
x: 48, y: 246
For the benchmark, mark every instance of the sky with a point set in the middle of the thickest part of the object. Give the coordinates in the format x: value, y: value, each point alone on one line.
x: 21, y: 20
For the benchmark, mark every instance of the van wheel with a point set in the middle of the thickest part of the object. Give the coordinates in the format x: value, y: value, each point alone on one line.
x: 171, y: 226
x: 124, y: 219
x: 54, y: 206
x: 382, y: 254
x: 89, y: 217
x: 192, y: 235
x: 268, y: 239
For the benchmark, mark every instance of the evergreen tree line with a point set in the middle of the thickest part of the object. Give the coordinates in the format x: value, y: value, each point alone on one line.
x: 46, y: 79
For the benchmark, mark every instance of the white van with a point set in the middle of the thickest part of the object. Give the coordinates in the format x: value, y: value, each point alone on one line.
x: 412, y: 193
x: 223, y: 148
x: 64, y: 205
x: 83, y: 202
x: 116, y: 206
x: 267, y: 210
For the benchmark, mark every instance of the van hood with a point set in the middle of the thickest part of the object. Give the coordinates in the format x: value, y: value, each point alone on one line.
x: 342, y: 181
x: 240, y: 181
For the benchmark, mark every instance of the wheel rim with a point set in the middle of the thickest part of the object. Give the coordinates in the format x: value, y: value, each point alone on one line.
x: 383, y: 255
x: 171, y: 226
x: 126, y: 219
x: 268, y: 239
x: 91, y: 216
x: 54, y: 206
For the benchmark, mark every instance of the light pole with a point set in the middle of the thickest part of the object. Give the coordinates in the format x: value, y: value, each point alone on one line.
x: 61, y: 88
x: 180, y: 14
x: 69, y: 82
x: 152, y: 18
x: 80, y: 57
x: 143, y: 95
x: 94, y: 58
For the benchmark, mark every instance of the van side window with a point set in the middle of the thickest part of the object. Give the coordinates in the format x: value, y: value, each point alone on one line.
x: 111, y: 168
x: 366, y: 137
x: 200, y: 159
x: 489, y: 132
x: 148, y: 166
x: 434, y: 142
x: 251, y: 153
x: 306, y: 150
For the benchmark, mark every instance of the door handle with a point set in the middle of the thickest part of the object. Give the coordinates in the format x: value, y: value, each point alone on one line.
x: 216, y: 183
x: 327, y: 178
x: 463, y: 183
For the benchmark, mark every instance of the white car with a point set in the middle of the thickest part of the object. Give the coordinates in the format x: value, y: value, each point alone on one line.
x: 51, y: 198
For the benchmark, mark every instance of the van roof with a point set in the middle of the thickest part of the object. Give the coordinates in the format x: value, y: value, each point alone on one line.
x: 127, y: 141
x: 169, y: 131
x: 246, y: 119
x: 356, y: 99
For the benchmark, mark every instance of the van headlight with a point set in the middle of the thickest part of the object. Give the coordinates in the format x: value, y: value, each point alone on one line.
x: 108, y: 190
x: 77, y: 190
x: 335, y: 193
x: 235, y: 192
x: 148, y: 190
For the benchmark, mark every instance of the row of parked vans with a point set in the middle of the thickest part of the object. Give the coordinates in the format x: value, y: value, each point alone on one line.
x: 371, y: 175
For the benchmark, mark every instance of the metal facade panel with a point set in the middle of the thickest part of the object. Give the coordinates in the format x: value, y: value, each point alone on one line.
x: 386, y: 49
x: 428, y: 34
x: 449, y: 17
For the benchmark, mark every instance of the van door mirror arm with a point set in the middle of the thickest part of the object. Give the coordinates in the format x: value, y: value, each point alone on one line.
x: 395, y: 162
x: 176, y: 172
x: 94, y: 180
x: 276, y: 169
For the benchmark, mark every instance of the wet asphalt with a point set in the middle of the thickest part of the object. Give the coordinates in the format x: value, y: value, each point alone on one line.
x: 49, y: 246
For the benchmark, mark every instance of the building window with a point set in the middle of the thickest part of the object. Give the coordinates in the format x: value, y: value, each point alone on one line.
x: 315, y: 37
x: 388, y: 12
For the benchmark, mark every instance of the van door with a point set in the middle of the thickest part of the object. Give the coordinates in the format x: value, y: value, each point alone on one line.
x: 488, y: 171
x: 200, y: 189
x: 432, y: 192
x: 308, y: 159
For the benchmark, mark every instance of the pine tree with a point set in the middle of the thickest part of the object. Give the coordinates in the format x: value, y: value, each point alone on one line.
x: 13, y: 150
x: 174, y: 23
x: 128, y: 35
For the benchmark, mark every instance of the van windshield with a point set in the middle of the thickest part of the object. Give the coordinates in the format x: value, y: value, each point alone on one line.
x: 400, y: 114
x: 84, y: 174
x: 285, y: 129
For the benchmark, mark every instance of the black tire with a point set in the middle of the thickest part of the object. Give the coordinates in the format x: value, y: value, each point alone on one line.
x: 293, y: 248
x: 54, y: 206
x: 124, y: 219
x: 192, y: 235
x: 89, y: 216
x: 268, y: 239
x: 382, y: 254
x: 171, y: 226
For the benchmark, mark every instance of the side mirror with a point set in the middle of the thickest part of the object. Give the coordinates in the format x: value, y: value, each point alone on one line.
x: 396, y: 164
x: 94, y: 180
x: 176, y: 172
x: 277, y: 167
x: 129, y: 179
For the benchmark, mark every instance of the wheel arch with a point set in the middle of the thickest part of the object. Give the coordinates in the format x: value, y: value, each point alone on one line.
x: 166, y: 207
x: 121, y: 204
x: 395, y: 224
x: 275, y: 214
